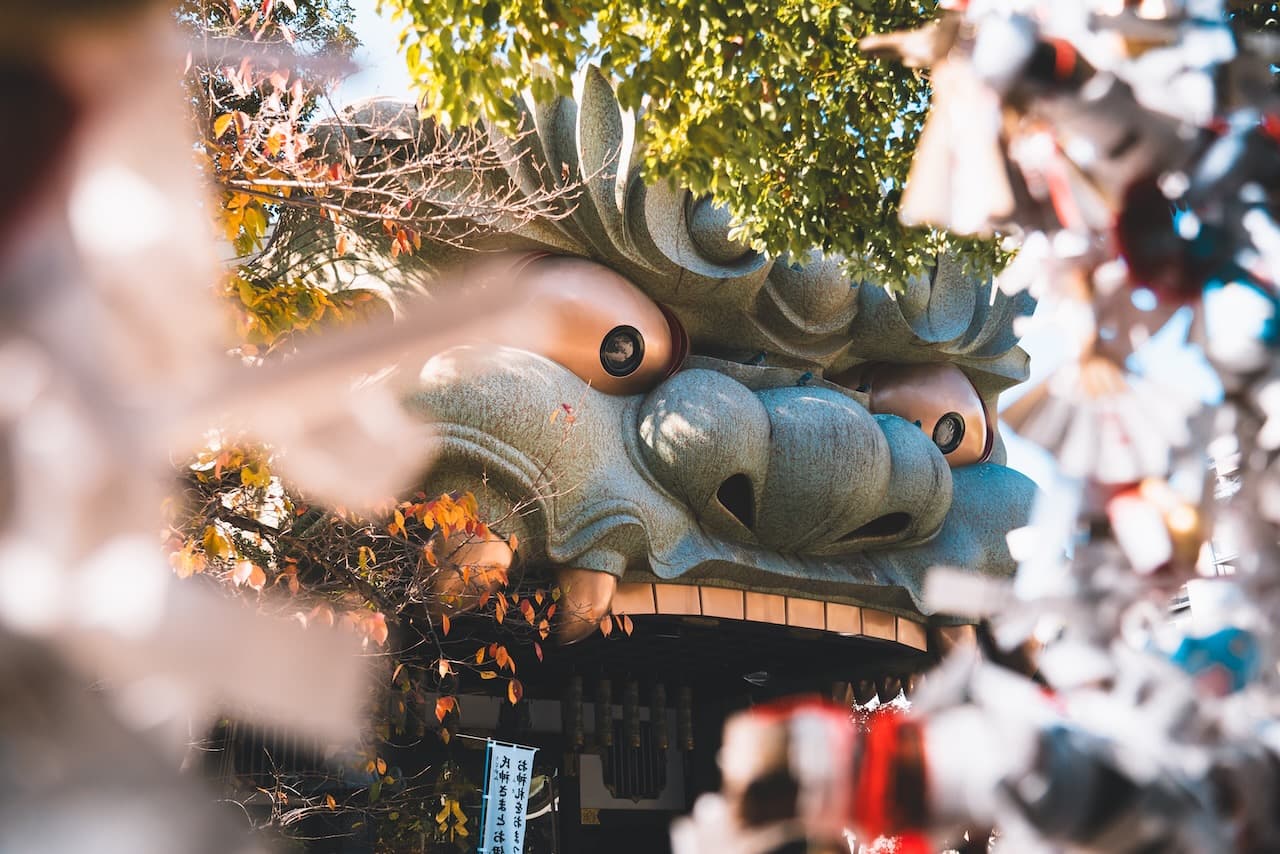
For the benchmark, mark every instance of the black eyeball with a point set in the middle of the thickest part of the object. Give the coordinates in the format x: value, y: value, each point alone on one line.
x: 622, y: 351
x: 948, y: 433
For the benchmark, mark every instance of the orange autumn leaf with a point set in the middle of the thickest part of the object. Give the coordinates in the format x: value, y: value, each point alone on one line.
x: 376, y: 628
x: 444, y: 705
x: 241, y: 571
x: 257, y: 578
x: 514, y: 691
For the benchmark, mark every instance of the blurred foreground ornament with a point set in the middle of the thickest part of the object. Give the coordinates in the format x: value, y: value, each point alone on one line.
x: 1104, y: 423
x: 1140, y: 143
x: 112, y: 357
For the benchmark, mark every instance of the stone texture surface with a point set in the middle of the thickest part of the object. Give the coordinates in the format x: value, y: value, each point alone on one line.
x: 632, y: 486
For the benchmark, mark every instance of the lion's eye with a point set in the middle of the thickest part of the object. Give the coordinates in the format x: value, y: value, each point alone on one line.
x: 622, y: 351
x: 599, y: 325
x: 948, y: 433
x: 939, y: 399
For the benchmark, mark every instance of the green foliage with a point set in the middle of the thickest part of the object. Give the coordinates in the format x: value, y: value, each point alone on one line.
x: 770, y: 107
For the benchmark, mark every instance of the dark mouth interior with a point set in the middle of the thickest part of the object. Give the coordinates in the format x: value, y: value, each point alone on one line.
x: 738, y: 497
x: 888, y: 525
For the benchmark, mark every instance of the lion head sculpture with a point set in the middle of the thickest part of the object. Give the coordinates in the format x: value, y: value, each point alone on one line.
x: 689, y: 420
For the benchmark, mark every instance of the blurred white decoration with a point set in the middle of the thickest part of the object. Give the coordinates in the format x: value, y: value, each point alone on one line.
x: 113, y: 362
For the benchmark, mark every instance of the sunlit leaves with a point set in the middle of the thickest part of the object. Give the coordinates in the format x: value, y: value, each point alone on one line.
x: 222, y: 123
x: 770, y: 107
x: 256, y: 474
x: 187, y: 561
x: 215, y: 543
x: 268, y: 313
x: 248, y: 573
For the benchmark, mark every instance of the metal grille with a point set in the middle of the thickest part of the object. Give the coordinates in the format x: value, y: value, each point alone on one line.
x: 262, y: 755
x: 635, y: 772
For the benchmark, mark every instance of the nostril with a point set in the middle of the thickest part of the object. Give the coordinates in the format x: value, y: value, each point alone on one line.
x: 888, y: 525
x: 737, y: 495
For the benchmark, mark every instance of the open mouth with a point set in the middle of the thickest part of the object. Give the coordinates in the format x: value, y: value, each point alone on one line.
x: 722, y: 603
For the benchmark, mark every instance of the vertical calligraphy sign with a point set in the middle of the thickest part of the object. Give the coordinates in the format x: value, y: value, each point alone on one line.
x: 506, y: 797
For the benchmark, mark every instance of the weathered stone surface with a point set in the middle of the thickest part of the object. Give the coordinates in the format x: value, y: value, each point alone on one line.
x: 750, y: 468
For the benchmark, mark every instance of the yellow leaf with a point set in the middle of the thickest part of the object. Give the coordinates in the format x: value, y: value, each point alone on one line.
x: 215, y: 544
x: 480, y: 655
x: 255, y: 221
x: 444, y: 623
x: 256, y: 474
x: 187, y: 561
x: 330, y: 802
x: 382, y: 765
x: 221, y: 123
x: 488, y: 674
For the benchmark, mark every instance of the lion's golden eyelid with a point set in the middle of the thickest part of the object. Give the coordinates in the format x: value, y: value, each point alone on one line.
x: 940, y: 399
x: 599, y: 325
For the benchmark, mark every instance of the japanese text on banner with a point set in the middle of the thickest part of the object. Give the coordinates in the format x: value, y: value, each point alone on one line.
x: 506, y: 791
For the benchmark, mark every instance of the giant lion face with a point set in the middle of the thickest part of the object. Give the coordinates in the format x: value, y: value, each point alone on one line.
x: 682, y: 425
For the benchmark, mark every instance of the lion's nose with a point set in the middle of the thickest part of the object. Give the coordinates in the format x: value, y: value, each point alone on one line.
x: 792, y: 468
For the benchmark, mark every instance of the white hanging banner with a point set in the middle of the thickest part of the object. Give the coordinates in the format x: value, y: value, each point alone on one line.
x: 509, y: 768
